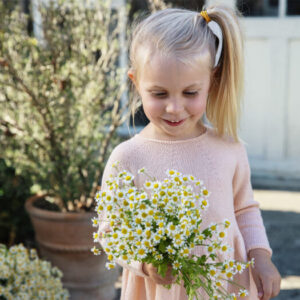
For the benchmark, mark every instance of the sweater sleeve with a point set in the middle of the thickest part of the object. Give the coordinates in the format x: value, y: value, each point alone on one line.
x: 247, y: 210
x: 116, y: 155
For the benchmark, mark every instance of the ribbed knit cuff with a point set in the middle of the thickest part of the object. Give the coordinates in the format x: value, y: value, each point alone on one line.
x: 269, y: 250
x: 254, y: 233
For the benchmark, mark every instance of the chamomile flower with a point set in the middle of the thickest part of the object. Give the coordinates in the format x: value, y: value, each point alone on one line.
x: 243, y: 293
x: 124, y: 231
x: 147, y: 233
x: 171, y: 172
x: 156, y: 185
x: 213, y: 227
x: 192, y: 178
x: 199, y: 183
x: 232, y: 296
x: 143, y: 215
x: 172, y: 228
x: 128, y: 178
x: 185, y: 252
x: 156, y: 239
x: 178, y: 243
x: 178, y: 180
x: 96, y: 250
x: 221, y: 235
x: 185, y: 178
x: 150, y: 211
x: 226, y: 223
x: 170, y: 250
x: 141, y: 253
x: 240, y: 267
x: 147, y: 244
x: 204, y: 204
x: 176, y: 265
x: 116, y: 164
x: 95, y: 236
x: 229, y: 274
x: 108, y: 199
x: 139, y: 231
x: 148, y: 224
x: 148, y: 184
x: 110, y: 265
x: 95, y: 222
x: 225, y: 248
x: 138, y: 220
x: 143, y: 196
x: 212, y: 271
x: 159, y: 256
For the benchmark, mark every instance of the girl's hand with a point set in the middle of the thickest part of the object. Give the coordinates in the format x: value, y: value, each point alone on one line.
x: 265, y: 274
x: 151, y: 271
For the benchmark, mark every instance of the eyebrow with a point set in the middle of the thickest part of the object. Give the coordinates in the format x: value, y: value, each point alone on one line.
x: 190, y: 86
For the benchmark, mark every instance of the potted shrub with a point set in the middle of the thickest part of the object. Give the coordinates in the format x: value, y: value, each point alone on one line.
x: 60, y: 106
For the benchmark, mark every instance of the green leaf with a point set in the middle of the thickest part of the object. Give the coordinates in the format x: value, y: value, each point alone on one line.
x: 162, y: 246
x: 162, y: 269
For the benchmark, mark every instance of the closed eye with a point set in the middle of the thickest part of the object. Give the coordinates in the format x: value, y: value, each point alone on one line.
x: 194, y: 93
x: 159, y: 95
x: 164, y: 94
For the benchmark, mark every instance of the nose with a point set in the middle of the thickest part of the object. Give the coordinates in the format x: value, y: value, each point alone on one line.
x: 174, y: 106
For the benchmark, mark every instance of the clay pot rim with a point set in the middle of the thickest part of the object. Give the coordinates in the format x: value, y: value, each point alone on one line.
x: 43, y: 213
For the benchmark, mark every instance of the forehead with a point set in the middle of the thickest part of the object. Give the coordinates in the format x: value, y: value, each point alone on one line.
x: 168, y: 70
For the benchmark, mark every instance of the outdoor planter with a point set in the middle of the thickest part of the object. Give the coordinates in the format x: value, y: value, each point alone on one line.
x: 66, y: 240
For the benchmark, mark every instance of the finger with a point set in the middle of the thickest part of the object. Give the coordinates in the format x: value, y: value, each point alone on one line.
x: 267, y: 288
x: 163, y: 281
x: 158, y: 278
x: 260, y: 291
x: 169, y: 273
x: 168, y: 278
x: 276, y: 287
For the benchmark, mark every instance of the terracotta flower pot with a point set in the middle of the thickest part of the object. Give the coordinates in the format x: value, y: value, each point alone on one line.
x: 66, y: 239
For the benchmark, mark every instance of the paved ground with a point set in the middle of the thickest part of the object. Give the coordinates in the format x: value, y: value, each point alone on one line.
x: 281, y: 214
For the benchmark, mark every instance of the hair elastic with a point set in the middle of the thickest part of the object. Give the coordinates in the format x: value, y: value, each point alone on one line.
x: 204, y: 14
x: 216, y: 29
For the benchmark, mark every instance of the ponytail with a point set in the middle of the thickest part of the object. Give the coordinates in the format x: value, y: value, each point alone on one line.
x: 227, y: 86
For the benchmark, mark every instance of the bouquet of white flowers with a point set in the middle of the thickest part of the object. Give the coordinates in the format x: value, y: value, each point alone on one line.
x: 161, y: 224
x: 24, y: 276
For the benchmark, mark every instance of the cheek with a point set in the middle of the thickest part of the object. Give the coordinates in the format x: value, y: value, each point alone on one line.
x: 197, y: 107
x: 152, y: 107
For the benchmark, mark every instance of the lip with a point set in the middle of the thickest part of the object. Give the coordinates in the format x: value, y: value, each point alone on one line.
x: 174, y: 124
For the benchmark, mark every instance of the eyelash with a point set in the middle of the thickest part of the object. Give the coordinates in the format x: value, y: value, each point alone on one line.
x: 161, y: 95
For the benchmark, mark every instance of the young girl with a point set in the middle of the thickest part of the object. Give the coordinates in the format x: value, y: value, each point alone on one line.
x: 183, y: 65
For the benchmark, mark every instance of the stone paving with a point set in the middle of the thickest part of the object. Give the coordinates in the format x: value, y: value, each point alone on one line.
x: 281, y: 214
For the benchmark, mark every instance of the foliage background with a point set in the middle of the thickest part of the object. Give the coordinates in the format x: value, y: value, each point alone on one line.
x: 60, y: 97
x: 18, y: 174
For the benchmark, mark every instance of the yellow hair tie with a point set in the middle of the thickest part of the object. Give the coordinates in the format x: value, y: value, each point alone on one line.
x: 204, y: 14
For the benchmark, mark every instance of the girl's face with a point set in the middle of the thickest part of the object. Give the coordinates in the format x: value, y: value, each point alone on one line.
x: 174, y: 96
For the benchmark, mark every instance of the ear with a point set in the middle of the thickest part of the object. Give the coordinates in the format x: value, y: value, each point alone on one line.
x: 131, y: 75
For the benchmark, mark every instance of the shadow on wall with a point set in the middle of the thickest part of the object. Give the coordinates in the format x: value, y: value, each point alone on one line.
x: 283, y: 230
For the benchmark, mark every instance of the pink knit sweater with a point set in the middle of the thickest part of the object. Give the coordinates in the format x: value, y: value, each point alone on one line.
x: 223, y: 166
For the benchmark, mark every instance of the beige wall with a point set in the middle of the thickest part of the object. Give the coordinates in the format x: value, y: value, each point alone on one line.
x: 271, y: 115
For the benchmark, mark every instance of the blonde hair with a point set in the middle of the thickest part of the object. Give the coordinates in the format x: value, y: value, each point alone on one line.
x: 184, y: 34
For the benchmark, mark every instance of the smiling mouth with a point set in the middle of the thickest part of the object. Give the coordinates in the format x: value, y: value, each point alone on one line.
x: 174, y: 123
